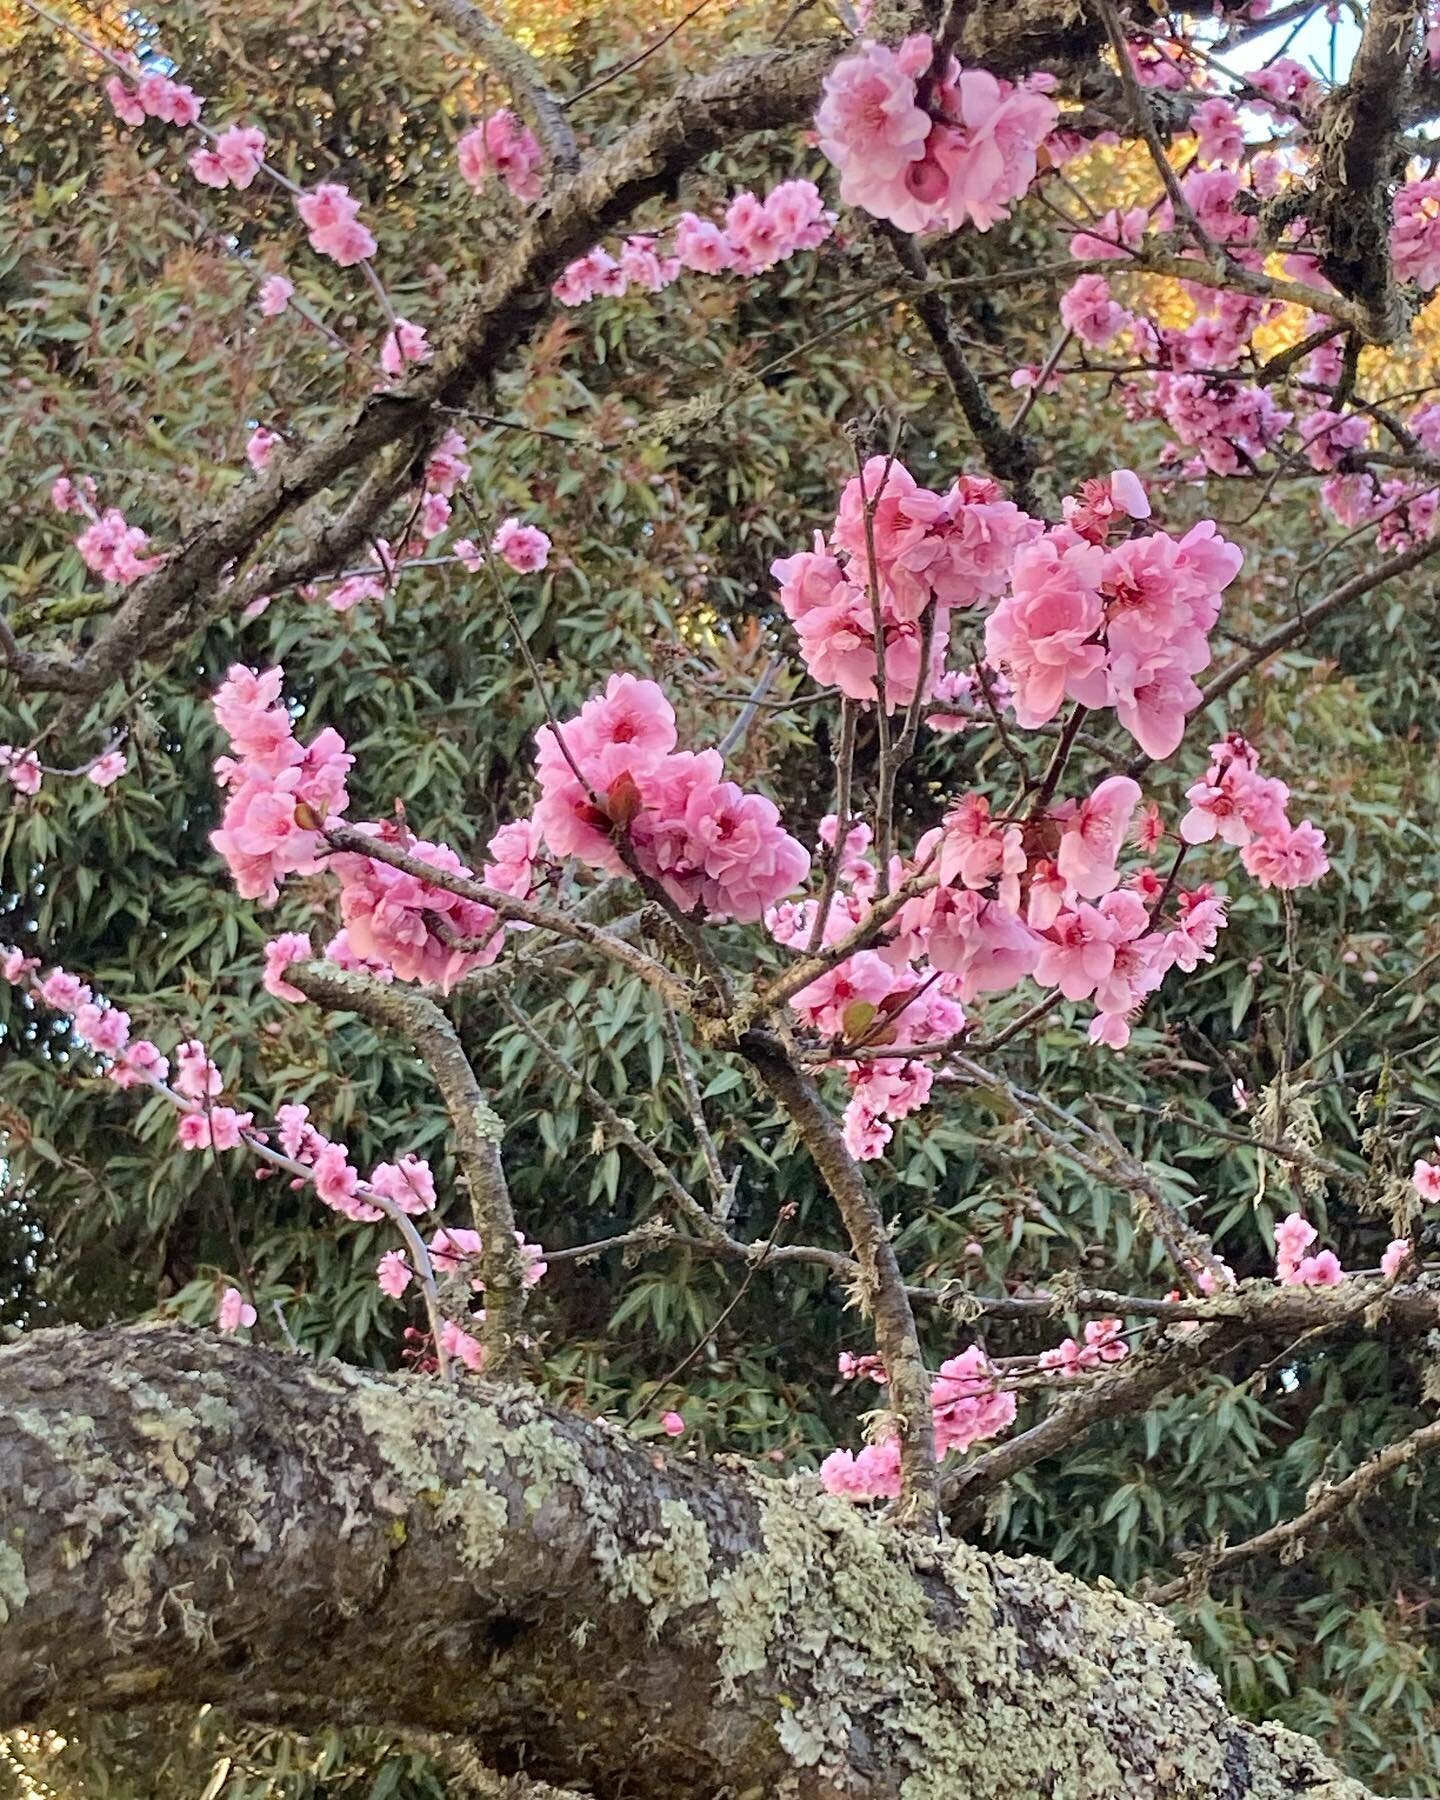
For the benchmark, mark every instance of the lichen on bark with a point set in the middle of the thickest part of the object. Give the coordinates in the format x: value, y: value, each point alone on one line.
x: 191, y: 1519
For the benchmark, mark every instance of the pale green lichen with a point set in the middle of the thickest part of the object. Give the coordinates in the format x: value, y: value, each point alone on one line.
x: 14, y: 1588
x: 965, y: 1676
x: 675, y: 1575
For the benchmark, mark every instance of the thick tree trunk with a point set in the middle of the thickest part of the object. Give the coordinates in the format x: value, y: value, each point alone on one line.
x: 187, y: 1518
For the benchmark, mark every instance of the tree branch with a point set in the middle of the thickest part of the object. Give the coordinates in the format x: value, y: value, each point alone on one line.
x: 477, y: 1133
x: 190, y: 1519
x: 1331, y: 1500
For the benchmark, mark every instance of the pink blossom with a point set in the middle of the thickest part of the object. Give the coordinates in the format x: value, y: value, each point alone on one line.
x: 106, y: 770
x: 330, y: 215
x: 1079, y: 949
x: 866, y: 1134
x: 864, y: 979
x: 873, y: 1474
x: 393, y: 1274
x: 139, y: 1063
x: 1093, y: 835
x: 196, y: 1077
x: 502, y: 146
x: 261, y: 446
x: 1087, y: 309
x: 115, y: 550
x: 280, y: 952
x: 672, y: 1424
x: 434, y: 516
x: 462, y: 1347
x: 105, y: 1029
x: 1293, y: 1237
x: 127, y: 106
x: 1292, y: 856
x: 1329, y: 436
x: 275, y: 294
x: 390, y: 916
x: 1044, y: 633
x: 872, y: 129
x: 168, y: 100
x: 235, y: 1312
x: 337, y: 1183
x: 1318, y: 1271
x: 21, y: 769
x: 967, y: 1404
x: 298, y: 1138
x: 409, y: 1184
x: 192, y: 1132
x: 234, y: 160
x: 1415, y: 234
x: 1425, y: 1179
x: 1111, y: 237
x: 1397, y: 1254
x: 1216, y: 125
x: 227, y: 1127
x: 63, y: 991
x: 524, y: 547
x: 700, y: 244
x: 405, y: 343
x: 14, y: 964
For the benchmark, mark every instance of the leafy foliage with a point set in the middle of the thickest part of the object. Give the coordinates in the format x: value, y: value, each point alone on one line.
x: 672, y: 449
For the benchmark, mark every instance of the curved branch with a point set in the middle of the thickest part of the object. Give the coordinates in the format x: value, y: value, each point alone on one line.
x: 477, y: 1132
x: 1332, y: 1499
x: 515, y: 66
x: 191, y: 1519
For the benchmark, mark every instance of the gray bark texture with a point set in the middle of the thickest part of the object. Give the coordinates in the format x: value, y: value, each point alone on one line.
x: 186, y: 1518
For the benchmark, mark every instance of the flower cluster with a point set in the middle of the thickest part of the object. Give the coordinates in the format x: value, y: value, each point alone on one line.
x: 233, y: 160
x: 931, y: 553
x: 407, y: 925
x: 614, y: 790
x: 21, y: 768
x: 1102, y: 1342
x: 154, y: 96
x: 967, y: 1407
x: 1415, y: 235
x: 1237, y: 804
x: 931, y: 149
x: 1293, y: 1267
x: 756, y: 234
x: 280, y: 793
x: 1124, y: 625
x: 502, y: 146
x: 109, y: 545
x: 330, y: 214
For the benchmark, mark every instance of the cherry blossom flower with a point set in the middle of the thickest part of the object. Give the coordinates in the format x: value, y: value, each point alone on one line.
x: 235, y: 1313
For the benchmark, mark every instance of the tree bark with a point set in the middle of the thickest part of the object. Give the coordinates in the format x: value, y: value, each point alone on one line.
x: 186, y: 1518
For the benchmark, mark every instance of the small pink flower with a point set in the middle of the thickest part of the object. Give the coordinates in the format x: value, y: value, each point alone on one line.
x: 330, y: 215
x: 524, y: 547
x: 275, y: 293
x: 127, y: 106
x: 106, y: 770
x: 672, y: 1425
x: 235, y: 1311
x: 393, y: 1274
x: 21, y: 768
x: 406, y: 343
x: 260, y: 447
x: 280, y: 952
x: 1397, y: 1254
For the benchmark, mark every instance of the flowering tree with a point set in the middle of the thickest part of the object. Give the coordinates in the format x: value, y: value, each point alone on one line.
x: 218, y: 1516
